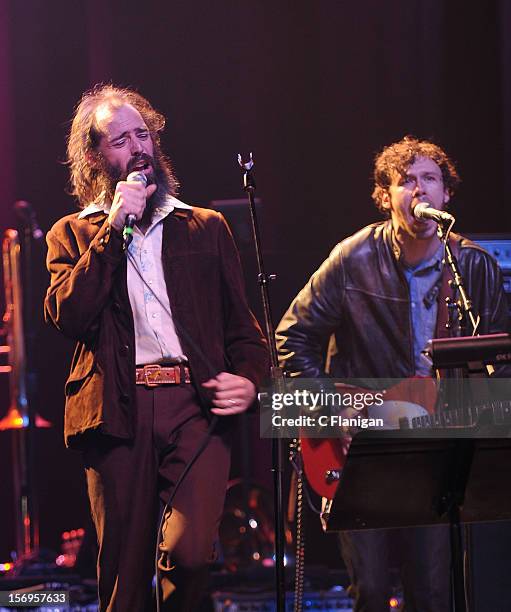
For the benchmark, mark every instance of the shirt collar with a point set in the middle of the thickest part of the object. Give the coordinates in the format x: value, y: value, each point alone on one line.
x: 163, y: 209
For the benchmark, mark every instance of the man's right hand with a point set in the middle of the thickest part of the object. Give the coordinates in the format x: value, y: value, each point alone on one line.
x: 129, y: 199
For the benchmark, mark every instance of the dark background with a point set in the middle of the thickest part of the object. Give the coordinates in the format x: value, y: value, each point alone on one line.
x: 314, y: 88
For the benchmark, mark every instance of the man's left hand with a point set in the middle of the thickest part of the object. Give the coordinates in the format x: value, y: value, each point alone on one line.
x: 233, y: 394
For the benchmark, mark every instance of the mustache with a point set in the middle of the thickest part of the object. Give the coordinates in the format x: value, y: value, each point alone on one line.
x: 140, y: 158
x: 162, y: 175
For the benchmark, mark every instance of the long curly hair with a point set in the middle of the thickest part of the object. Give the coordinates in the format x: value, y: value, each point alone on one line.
x: 399, y: 156
x: 88, y: 181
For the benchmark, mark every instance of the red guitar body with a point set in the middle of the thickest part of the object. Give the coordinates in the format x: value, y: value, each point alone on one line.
x: 320, y: 455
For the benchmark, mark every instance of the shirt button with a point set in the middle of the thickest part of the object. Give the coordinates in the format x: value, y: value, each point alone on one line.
x: 153, y: 315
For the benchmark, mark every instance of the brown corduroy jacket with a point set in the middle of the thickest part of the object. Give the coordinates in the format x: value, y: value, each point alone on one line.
x: 88, y: 300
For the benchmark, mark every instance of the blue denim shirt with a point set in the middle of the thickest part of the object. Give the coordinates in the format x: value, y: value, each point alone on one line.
x: 424, y: 285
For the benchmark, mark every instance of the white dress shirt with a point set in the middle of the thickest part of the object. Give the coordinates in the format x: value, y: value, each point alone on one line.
x: 156, y: 340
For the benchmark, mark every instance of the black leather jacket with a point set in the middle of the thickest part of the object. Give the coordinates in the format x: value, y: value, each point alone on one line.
x: 359, y: 300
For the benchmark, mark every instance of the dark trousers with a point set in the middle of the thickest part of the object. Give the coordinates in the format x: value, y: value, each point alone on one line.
x: 126, y: 482
x: 422, y: 555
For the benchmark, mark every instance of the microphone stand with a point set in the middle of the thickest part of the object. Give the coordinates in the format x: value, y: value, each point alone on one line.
x: 465, y: 314
x: 277, y: 380
x: 464, y: 304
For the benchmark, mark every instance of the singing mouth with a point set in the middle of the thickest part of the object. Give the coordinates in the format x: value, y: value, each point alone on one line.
x: 141, y: 164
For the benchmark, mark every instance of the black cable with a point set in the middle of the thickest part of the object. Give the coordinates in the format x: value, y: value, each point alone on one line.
x: 177, y: 325
x: 185, y: 471
x: 306, y: 488
x: 205, y: 440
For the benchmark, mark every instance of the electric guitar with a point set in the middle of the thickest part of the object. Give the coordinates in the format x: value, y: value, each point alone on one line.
x: 408, y: 405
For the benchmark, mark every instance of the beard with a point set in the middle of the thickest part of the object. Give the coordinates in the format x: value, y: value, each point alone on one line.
x: 161, y: 175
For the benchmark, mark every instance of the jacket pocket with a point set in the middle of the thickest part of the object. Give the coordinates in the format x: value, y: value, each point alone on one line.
x: 83, y: 367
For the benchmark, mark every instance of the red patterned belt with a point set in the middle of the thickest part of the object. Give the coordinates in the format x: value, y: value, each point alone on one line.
x: 154, y: 375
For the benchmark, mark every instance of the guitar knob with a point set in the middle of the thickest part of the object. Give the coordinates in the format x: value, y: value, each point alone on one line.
x: 332, y: 475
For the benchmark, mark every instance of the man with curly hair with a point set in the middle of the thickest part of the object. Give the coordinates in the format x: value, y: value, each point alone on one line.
x: 376, y: 301
x: 167, y: 349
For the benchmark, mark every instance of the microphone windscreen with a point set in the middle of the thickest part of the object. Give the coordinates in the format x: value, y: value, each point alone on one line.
x: 138, y: 177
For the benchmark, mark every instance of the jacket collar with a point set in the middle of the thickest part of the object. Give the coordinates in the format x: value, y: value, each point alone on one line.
x: 97, y: 211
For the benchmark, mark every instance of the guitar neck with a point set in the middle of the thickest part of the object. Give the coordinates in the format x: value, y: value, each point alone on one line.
x: 499, y: 413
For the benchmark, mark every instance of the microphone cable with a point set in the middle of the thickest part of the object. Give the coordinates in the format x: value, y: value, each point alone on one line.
x: 201, y: 446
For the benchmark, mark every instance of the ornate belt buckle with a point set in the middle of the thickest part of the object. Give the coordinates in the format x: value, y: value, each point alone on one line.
x: 151, y: 375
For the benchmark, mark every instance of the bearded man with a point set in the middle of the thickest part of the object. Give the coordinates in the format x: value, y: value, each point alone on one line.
x: 378, y: 299
x: 165, y: 340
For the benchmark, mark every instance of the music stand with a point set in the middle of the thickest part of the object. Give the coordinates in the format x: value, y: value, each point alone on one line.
x: 410, y: 479
x: 465, y: 351
x: 420, y: 477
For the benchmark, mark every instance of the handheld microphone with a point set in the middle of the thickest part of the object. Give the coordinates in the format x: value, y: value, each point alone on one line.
x: 127, y: 232
x: 424, y: 211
